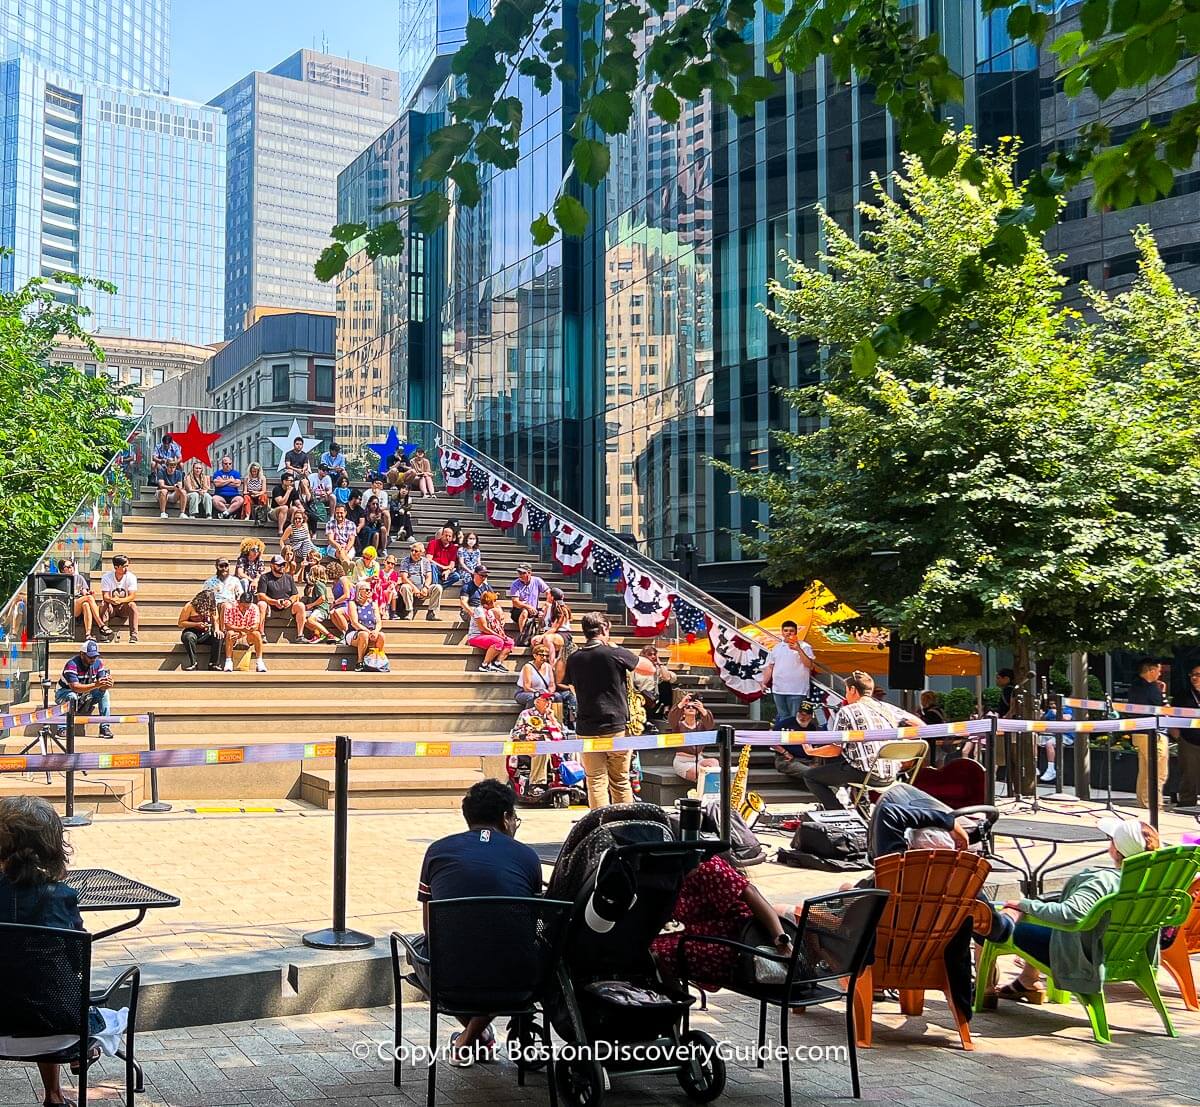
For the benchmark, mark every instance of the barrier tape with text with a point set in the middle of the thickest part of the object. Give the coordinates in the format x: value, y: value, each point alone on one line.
x: 192, y: 757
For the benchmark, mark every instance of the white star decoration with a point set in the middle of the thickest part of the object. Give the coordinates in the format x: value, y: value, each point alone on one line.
x: 283, y: 444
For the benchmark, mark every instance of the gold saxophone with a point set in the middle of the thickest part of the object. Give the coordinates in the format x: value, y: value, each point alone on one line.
x: 747, y: 804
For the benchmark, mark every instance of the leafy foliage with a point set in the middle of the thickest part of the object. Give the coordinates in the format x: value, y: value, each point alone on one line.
x: 58, y: 427
x: 705, y: 48
x: 1038, y: 476
x: 957, y: 704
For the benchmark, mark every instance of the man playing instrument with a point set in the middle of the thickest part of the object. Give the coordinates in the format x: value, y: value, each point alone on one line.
x: 852, y: 761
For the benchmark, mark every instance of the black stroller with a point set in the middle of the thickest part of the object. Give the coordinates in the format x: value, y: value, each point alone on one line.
x: 622, y: 867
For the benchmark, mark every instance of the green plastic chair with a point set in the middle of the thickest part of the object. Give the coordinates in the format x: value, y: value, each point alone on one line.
x: 1153, y: 894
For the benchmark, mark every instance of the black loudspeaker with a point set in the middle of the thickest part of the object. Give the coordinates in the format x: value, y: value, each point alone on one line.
x: 50, y: 610
x: 906, y: 664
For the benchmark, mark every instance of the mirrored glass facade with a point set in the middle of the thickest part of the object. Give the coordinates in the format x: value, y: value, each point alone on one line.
x: 125, y: 43
x: 430, y: 32
x: 291, y: 132
x: 610, y: 369
x: 104, y: 182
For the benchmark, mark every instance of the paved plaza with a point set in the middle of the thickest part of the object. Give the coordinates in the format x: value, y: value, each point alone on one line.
x: 252, y: 884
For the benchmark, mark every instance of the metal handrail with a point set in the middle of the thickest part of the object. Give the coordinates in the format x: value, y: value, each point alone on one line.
x: 690, y: 592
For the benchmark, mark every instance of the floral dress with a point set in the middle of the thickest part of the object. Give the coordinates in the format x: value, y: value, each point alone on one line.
x: 710, y: 902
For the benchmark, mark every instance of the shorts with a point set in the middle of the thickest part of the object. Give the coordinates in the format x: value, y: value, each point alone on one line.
x: 321, y: 612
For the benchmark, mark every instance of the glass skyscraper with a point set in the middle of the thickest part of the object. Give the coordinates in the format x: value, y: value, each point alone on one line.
x: 609, y: 370
x: 291, y: 131
x: 125, y: 43
x: 103, y: 176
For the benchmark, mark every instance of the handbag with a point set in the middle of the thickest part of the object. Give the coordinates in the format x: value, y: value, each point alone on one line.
x: 376, y: 660
x: 754, y: 969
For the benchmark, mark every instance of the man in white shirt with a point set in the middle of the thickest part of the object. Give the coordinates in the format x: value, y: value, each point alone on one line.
x: 322, y: 486
x: 856, y: 759
x: 788, y: 672
x: 118, y: 591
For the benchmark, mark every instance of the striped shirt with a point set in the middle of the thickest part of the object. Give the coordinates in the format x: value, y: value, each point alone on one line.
x: 871, y: 714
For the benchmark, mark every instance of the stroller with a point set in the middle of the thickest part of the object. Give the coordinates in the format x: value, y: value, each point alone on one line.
x: 622, y: 867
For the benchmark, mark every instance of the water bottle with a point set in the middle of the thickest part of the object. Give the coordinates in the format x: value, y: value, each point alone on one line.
x: 689, y: 819
x: 345, y: 665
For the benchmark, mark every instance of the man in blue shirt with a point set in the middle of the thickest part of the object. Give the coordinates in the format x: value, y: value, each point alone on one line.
x: 227, y: 489
x: 85, y: 684
x: 333, y: 460
x: 484, y: 860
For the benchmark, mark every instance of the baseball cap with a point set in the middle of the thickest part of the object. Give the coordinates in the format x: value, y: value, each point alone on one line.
x: 524, y: 567
x: 807, y: 707
x: 482, y: 570
x: 613, y: 894
x: 278, y: 560
x: 91, y: 649
x: 1126, y: 835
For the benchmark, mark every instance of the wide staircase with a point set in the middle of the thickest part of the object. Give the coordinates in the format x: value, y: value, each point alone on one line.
x: 433, y: 693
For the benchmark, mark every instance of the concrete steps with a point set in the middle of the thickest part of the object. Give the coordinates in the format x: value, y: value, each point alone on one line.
x: 392, y: 789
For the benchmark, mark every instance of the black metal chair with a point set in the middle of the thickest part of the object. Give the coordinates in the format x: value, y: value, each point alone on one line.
x: 45, y: 989
x: 491, y: 955
x: 832, y: 945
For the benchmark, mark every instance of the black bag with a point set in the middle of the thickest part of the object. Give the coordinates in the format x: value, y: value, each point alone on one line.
x: 833, y: 841
x: 744, y: 847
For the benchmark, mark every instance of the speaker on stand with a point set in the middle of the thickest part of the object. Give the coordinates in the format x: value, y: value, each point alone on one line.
x: 50, y: 617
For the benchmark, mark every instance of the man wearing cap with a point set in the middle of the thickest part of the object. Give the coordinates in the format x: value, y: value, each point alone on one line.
x: 1072, y: 956
x: 85, y: 684
x: 526, y: 593
x: 483, y: 860
x: 790, y: 761
x: 277, y: 591
x: 242, y: 622
x: 472, y: 591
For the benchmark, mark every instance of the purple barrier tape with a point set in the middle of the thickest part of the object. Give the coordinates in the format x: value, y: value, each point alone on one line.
x: 1132, y: 708
x: 25, y: 718
x: 1085, y: 726
x: 838, y: 737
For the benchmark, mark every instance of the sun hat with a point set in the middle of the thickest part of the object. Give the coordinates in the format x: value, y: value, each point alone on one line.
x: 1126, y: 834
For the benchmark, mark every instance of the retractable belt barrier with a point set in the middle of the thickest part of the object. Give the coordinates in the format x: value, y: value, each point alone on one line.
x: 1132, y: 708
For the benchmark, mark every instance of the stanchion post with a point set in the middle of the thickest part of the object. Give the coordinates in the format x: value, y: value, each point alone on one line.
x: 155, y: 806
x: 725, y: 740
x: 1109, y: 713
x: 1059, y: 771
x: 70, y: 818
x: 1155, y: 740
x: 990, y: 755
x: 337, y: 936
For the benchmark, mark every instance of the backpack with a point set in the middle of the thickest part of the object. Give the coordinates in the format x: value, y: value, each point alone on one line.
x: 744, y: 847
x: 833, y: 841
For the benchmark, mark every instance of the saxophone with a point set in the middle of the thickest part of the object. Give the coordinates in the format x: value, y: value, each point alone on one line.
x: 749, y: 805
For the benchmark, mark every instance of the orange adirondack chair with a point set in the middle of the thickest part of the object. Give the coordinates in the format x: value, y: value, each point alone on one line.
x: 1177, y: 957
x: 933, y: 896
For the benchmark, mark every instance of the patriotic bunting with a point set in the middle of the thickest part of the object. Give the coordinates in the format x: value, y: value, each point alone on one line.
x: 455, y: 469
x: 740, y: 662
x: 648, y: 601
x: 571, y: 547
x: 504, y: 504
x: 692, y: 622
x: 480, y: 479
x: 535, y: 519
x: 605, y: 564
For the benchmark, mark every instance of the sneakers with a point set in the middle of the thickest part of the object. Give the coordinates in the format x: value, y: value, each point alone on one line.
x: 431, y: 615
x: 133, y: 637
x: 1050, y: 776
x: 498, y: 667
x: 228, y: 665
x: 105, y: 730
x: 260, y: 666
x: 184, y: 515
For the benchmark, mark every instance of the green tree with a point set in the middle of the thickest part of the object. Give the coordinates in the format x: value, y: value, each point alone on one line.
x: 687, y: 51
x: 1030, y: 479
x: 58, y: 427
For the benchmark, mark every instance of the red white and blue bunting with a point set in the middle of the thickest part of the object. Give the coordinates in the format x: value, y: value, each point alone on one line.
x: 535, y: 520
x: 504, y: 504
x: 691, y: 620
x: 480, y: 480
x: 456, y: 469
x: 740, y: 661
x: 605, y: 564
x: 572, y: 547
x: 648, y: 602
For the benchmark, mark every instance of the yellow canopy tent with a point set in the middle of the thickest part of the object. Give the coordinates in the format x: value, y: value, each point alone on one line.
x: 815, y: 612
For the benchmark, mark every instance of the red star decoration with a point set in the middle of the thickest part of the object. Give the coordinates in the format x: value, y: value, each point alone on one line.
x: 194, y: 442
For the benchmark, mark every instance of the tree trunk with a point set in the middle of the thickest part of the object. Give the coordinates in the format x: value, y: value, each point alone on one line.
x: 1082, y: 751
x: 1026, y: 743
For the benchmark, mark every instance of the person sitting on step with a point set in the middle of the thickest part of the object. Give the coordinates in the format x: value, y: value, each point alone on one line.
x: 228, y: 496
x: 277, y: 591
x: 118, y: 593
x: 527, y: 593
x: 258, y: 494
x: 472, y: 592
x: 170, y: 489
x: 297, y: 537
x: 421, y: 473
x: 198, y: 487
x: 537, y: 677
x: 387, y: 588
x: 242, y: 622
x: 443, y: 549
x: 341, y: 592
x: 250, y: 564
x: 487, y: 634
x: 420, y: 580
x: 558, y: 635
x: 223, y: 583
x: 317, y: 598
x: 364, y: 621
x: 87, y: 607
x: 688, y: 716
x: 200, y: 624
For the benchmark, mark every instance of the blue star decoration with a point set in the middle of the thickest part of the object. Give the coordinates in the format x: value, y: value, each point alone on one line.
x: 386, y: 449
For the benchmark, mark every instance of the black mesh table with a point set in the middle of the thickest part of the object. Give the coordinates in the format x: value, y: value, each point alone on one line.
x: 1034, y: 873
x: 104, y: 890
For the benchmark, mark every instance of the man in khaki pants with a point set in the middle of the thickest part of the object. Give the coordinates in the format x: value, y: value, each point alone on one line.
x: 599, y: 673
x: 1147, y: 689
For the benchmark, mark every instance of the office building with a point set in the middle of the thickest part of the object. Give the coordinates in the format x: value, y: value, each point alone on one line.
x: 138, y: 362
x: 111, y: 181
x: 609, y: 369
x: 291, y: 131
x: 121, y: 43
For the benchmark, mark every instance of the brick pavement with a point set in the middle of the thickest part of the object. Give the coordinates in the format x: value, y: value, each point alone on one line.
x: 1027, y: 1056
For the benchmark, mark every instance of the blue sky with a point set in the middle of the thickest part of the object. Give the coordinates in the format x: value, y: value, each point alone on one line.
x: 216, y: 42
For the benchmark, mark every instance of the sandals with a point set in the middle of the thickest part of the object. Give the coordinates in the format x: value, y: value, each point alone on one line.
x: 1018, y: 993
